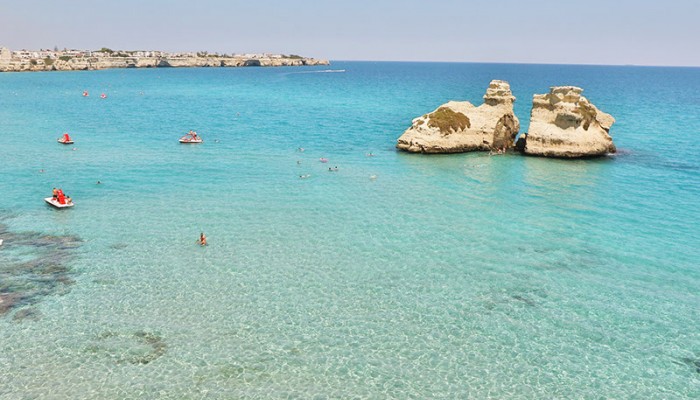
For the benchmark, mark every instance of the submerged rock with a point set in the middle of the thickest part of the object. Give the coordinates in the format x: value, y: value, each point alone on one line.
x: 26, y: 281
x: 118, y: 246
x: 565, y: 124
x: 692, y: 362
x: 137, y: 348
x: 459, y: 126
x: 8, y: 301
x: 27, y: 314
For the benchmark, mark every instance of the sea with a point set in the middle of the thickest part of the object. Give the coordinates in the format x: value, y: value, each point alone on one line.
x: 398, y: 276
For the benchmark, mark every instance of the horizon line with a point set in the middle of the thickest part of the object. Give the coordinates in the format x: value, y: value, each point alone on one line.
x: 519, y: 63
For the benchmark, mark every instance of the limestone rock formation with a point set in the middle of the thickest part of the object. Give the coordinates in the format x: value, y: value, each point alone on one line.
x: 458, y: 127
x: 565, y: 124
x: 8, y: 64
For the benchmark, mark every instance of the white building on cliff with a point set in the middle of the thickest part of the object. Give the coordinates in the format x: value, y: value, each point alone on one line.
x: 5, y: 54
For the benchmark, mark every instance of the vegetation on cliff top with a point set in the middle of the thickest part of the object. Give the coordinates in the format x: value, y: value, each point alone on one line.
x: 448, y: 121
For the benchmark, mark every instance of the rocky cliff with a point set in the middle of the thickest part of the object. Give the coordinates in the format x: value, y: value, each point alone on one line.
x: 94, y: 63
x: 565, y: 124
x: 460, y: 126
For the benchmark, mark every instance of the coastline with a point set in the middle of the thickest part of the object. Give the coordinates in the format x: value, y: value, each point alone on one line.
x: 99, y: 63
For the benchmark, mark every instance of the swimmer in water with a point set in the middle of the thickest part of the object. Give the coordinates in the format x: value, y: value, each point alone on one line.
x: 41, y: 171
x: 304, y: 176
x: 370, y: 154
x: 300, y: 149
x: 202, y: 239
x: 98, y: 183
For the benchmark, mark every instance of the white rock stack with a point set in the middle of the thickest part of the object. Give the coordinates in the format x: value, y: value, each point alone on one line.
x: 458, y: 127
x: 565, y: 124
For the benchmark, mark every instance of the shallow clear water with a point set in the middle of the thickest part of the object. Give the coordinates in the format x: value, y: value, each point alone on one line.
x: 445, y: 277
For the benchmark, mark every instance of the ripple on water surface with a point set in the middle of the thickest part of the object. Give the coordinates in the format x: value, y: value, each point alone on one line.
x: 460, y: 276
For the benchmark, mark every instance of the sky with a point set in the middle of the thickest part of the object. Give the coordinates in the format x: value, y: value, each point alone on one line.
x: 613, y: 32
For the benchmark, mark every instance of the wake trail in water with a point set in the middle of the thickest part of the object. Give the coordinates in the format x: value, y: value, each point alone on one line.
x: 325, y: 71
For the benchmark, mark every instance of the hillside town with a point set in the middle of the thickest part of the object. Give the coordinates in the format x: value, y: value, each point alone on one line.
x: 105, y: 58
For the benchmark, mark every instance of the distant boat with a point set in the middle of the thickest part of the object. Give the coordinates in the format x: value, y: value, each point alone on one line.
x: 52, y: 201
x: 65, y: 139
x: 191, y: 138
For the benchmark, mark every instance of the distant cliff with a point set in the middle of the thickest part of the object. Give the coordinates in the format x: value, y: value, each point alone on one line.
x: 49, y: 61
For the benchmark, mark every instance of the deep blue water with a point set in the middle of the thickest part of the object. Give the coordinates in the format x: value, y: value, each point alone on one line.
x: 445, y: 277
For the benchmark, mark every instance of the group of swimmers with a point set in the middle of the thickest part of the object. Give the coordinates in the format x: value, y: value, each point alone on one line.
x: 61, y: 197
x: 335, y: 169
x: 102, y: 96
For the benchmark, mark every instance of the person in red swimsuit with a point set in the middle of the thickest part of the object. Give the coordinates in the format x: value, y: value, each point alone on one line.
x: 61, y: 197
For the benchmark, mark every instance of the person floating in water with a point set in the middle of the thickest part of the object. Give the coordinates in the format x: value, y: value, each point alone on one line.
x: 202, y: 239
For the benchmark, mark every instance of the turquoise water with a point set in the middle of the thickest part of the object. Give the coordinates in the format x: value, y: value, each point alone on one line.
x: 460, y: 276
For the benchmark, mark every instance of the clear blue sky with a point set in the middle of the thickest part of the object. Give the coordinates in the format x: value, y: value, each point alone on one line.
x: 547, y: 31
